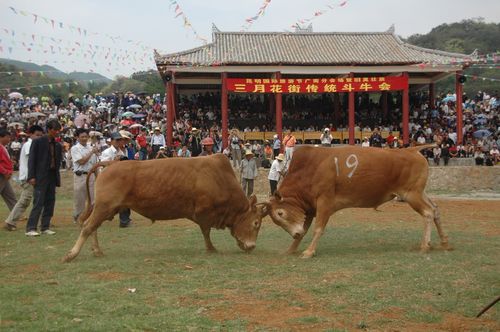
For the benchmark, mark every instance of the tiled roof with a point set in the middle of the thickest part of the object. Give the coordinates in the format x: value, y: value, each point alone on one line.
x: 306, y: 48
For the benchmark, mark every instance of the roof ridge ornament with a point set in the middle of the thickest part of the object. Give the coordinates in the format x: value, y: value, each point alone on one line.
x: 214, y: 28
x: 299, y: 29
x: 392, y: 29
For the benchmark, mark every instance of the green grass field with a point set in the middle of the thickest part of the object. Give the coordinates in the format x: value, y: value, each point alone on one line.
x: 368, y: 275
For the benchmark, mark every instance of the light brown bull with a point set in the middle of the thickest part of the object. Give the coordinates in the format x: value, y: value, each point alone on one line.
x: 321, y: 181
x: 203, y: 189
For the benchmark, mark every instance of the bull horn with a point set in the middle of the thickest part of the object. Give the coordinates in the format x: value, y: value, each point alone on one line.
x: 266, y: 208
x: 277, y: 195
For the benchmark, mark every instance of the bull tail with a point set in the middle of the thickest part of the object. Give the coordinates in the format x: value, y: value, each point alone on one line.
x: 88, y: 203
x: 419, y: 148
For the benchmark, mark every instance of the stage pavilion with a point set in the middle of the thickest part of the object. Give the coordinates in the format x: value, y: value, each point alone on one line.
x: 283, y: 63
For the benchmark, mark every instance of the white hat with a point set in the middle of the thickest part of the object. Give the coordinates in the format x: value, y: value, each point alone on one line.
x: 280, y: 157
x: 248, y: 153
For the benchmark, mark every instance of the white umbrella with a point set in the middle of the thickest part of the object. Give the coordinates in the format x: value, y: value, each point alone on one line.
x: 13, y: 124
x: 95, y: 133
x: 80, y: 119
x: 136, y: 125
x: 102, y: 108
x: 15, y: 95
x: 134, y: 106
x: 36, y: 114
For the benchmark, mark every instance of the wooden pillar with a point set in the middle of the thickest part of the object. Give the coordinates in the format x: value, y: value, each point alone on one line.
x: 431, y: 96
x: 224, y: 115
x: 170, y: 112
x: 458, y: 107
x: 351, y: 115
x: 406, y: 113
x: 279, y: 111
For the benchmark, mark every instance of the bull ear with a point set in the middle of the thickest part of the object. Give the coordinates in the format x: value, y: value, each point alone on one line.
x: 277, y: 195
x: 252, y: 200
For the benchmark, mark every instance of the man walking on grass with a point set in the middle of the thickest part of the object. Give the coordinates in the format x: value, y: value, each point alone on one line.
x: 27, y: 190
x: 6, y: 169
x: 43, y: 174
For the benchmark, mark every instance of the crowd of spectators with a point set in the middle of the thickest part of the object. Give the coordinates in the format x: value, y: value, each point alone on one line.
x: 198, y: 119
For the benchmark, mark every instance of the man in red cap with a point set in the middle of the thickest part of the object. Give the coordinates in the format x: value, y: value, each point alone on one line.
x: 208, y: 146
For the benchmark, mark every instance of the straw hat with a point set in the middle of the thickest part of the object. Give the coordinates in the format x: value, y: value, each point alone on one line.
x: 125, y: 134
x: 248, y: 153
x: 280, y: 157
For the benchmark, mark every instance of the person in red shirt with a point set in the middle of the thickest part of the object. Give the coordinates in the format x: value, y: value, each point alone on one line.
x: 6, y: 169
x: 390, y: 140
x: 143, y: 144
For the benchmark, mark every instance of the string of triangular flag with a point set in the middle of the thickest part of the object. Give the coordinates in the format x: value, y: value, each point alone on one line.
x: 54, y: 23
x: 318, y: 13
x: 52, y: 85
x: 251, y: 20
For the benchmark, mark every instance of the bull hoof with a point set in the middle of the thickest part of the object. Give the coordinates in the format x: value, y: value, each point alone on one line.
x: 289, y: 252
x: 68, y: 258
x: 446, y: 246
x: 211, y: 251
x: 98, y: 253
x: 425, y: 249
x: 307, y: 254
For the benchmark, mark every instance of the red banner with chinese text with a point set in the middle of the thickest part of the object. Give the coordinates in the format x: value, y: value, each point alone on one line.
x: 317, y: 85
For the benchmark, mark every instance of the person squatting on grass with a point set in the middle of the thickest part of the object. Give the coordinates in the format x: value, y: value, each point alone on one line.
x: 26, y: 197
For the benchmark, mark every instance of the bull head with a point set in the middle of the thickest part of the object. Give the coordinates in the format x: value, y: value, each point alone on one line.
x: 287, y: 215
x: 247, y: 229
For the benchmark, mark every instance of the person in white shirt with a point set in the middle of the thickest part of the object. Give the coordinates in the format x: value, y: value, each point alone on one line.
x: 113, y: 152
x: 366, y: 143
x: 27, y: 190
x: 326, y: 137
x: 157, y: 141
x: 276, y: 172
x: 117, y: 152
x: 421, y: 139
x: 84, y: 156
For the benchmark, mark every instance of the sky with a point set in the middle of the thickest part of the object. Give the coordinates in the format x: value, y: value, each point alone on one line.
x: 117, y: 37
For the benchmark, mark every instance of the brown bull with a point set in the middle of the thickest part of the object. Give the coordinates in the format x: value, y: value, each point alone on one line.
x: 321, y: 181
x: 204, y: 190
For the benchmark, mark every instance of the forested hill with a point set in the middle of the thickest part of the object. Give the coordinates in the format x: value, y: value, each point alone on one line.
x: 462, y: 37
x: 465, y: 37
